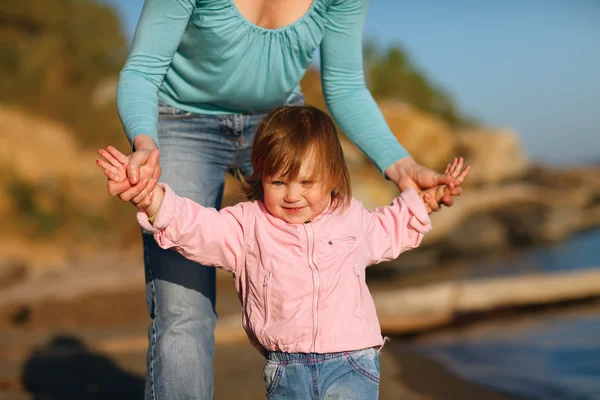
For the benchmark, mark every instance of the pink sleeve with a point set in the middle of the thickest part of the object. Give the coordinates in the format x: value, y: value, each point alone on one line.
x: 201, y: 234
x: 394, y: 229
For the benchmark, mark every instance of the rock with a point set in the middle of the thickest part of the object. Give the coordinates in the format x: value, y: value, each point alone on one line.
x: 495, y: 155
x: 11, y: 272
x: 478, y: 234
x: 427, y: 138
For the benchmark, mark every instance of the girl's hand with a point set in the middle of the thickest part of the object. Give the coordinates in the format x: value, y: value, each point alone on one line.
x: 115, y: 166
x: 138, y: 165
x: 433, y: 196
x: 406, y: 173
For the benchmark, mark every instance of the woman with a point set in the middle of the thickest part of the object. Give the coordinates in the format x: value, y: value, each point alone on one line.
x: 201, y: 74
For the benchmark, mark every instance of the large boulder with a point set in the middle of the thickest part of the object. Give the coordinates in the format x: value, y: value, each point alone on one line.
x: 427, y: 138
x: 495, y: 155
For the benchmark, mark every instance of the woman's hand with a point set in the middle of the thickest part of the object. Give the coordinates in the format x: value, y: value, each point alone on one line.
x: 140, y: 167
x: 116, y: 167
x: 435, y: 194
x: 406, y: 173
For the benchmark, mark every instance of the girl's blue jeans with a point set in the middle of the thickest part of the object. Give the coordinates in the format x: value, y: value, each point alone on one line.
x: 350, y: 375
x: 196, y: 151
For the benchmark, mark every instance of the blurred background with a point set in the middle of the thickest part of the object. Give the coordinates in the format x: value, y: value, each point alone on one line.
x: 501, y: 301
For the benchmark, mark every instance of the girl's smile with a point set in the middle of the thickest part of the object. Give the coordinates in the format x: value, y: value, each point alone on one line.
x: 296, y: 200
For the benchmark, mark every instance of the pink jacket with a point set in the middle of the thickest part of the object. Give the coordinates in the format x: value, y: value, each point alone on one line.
x: 302, y: 286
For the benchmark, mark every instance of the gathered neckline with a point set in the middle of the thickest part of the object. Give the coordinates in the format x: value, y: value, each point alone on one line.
x: 276, y: 30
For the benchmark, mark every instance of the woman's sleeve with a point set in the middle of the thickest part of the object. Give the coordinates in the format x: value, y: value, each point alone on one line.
x: 158, y: 33
x: 344, y: 88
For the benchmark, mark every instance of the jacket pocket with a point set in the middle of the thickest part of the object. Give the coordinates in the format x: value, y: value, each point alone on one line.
x: 341, y: 240
x: 266, y: 296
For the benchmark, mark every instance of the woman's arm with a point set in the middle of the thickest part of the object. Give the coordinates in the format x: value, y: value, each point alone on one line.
x: 159, y: 31
x: 157, y: 37
x: 344, y: 88
x: 353, y: 107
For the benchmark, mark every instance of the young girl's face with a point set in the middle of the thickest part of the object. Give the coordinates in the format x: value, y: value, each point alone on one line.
x: 297, y: 200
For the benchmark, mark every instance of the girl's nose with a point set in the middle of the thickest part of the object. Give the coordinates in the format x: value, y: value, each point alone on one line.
x: 292, y: 195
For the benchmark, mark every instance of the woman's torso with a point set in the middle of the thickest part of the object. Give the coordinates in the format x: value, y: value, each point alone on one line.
x: 225, y: 63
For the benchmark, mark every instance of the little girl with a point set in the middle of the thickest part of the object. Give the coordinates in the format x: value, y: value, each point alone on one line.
x: 298, y: 252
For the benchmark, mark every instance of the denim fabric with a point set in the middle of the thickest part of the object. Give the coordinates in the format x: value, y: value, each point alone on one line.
x: 349, y: 375
x: 196, y: 151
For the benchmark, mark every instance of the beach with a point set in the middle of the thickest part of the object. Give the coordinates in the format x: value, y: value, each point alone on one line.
x: 93, y: 347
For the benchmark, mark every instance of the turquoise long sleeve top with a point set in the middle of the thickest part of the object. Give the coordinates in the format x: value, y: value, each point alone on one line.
x: 204, y: 57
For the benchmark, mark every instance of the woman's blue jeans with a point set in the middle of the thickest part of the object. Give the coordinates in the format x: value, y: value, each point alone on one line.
x: 196, y: 151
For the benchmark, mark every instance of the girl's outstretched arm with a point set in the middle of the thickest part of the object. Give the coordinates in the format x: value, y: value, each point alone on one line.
x: 201, y: 234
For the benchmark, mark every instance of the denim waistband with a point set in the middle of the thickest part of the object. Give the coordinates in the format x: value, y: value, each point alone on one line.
x: 308, y: 358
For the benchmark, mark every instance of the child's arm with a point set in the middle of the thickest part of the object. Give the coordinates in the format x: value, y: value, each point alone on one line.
x: 201, y: 234
x: 401, y: 226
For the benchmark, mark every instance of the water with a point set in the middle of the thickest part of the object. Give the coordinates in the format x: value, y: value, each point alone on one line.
x: 548, y: 356
x: 579, y: 252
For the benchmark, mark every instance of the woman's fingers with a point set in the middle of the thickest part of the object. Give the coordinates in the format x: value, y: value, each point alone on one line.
x: 115, y: 174
x: 431, y: 203
x: 108, y: 157
x: 121, y: 158
x: 116, y: 188
x: 461, y: 177
x: 459, y: 166
x: 134, y: 191
x: 144, y: 193
x: 147, y: 202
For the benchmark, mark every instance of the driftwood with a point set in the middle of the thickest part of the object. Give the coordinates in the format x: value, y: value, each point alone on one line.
x: 403, y: 310
x: 490, y: 199
x: 419, y: 309
x: 416, y: 309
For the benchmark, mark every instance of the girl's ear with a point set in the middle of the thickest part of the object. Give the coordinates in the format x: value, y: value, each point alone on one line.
x: 335, y: 192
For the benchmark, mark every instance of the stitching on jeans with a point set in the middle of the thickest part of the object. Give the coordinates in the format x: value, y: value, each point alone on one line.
x: 154, y: 326
x: 276, y: 380
x: 361, y: 370
x: 313, y: 370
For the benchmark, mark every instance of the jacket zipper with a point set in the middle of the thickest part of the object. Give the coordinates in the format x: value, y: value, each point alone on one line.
x: 315, y: 273
x: 360, y: 289
x: 266, y: 293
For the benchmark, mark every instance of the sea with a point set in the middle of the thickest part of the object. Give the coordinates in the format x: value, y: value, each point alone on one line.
x: 545, y: 355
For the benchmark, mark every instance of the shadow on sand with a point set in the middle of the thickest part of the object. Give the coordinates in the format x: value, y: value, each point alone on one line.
x: 66, y: 369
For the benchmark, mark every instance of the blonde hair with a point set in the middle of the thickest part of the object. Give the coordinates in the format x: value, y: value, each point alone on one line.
x: 284, y: 139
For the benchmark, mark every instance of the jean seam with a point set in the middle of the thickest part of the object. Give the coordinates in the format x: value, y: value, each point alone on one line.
x: 361, y: 370
x: 313, y: 370
x: 154, y: 326
x: 276, y: 380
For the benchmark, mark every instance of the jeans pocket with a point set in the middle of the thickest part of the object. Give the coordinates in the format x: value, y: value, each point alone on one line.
x: 297, y: 99
x: 170, y: 112
x: 366, y: 363
x: 272, y: 372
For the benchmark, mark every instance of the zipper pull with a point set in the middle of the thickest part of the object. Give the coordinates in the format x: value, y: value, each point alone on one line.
x: 267, y: 278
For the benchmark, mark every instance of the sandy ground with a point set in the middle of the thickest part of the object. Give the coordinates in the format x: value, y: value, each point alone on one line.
x: 93, y: 347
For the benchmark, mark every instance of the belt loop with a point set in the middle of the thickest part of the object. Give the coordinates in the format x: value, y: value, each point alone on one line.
x: 385, y: 340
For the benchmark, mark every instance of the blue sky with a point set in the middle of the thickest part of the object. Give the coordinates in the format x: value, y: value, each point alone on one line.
x: 529, y: 65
